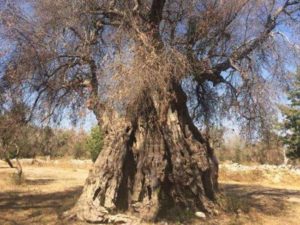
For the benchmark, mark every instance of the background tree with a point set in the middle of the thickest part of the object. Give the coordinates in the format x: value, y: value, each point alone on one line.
x: 291, y: 122
x: 143, y: 68
x: 47, y: 142
x: 12, y: 127
x: 95, y: 142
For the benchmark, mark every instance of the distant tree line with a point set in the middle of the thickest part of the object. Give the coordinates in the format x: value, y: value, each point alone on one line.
x: 21, y: 139
x: 291, y: 123
x: 238, y: 150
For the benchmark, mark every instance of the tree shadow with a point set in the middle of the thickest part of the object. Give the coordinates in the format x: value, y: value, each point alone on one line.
x: 31, y: 208
x: 39, y: 181
x: 269, y: 201
x: 19, y: 208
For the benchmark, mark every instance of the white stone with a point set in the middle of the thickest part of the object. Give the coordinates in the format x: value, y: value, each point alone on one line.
x: 200, y: 215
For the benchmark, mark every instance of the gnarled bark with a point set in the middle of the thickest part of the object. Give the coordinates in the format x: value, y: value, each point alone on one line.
x: 157, y: 160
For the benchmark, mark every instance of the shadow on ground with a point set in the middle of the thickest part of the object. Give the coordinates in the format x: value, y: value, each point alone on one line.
x: 22, y: 209
x: 265, y: 200
x: 39, y: 181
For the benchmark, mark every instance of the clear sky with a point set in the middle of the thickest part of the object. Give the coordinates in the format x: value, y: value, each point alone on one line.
x: 90, y: 120
x: 86, y: 123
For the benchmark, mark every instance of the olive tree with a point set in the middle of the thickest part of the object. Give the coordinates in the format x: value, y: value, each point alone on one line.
x: 149, y: 70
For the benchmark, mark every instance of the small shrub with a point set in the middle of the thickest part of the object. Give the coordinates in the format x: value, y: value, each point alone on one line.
x: 17, y: 180
x: 80, y: 151
x: 95, y: 142
x: 233, y: 203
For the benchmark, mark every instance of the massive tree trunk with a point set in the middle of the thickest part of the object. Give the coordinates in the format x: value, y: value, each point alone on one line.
x: 154, y: 162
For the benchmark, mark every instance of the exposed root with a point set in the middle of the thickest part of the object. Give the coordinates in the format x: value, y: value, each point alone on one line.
x: 100, y: 216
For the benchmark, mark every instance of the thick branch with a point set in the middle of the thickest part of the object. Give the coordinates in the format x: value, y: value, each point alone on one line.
x: 244, y: 50
x: 213, y: 73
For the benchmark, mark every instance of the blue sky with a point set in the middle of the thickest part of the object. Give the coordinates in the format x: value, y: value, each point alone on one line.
x: 86, y: 124
x: 90, y: 119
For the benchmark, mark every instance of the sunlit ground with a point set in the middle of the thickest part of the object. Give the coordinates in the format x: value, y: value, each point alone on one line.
x: 254, y: 195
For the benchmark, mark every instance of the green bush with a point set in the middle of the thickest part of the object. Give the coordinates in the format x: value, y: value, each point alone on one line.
x: 95, y: 142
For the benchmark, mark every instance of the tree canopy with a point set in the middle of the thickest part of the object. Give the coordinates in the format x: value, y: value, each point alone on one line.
x: 105, y: 55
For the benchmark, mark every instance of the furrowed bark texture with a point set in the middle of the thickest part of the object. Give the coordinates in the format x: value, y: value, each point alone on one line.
x: 155, y: 162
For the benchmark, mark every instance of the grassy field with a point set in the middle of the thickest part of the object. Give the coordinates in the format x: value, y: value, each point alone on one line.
x: 249, y: 196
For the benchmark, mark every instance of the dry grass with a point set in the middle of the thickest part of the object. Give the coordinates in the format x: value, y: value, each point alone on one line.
x: 47, y: 191
x: 44, y: 193
x: 260, y: 196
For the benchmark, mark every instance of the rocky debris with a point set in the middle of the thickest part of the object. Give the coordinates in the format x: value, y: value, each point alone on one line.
x: 200, y: 215
x: 235, y: 167
x: 79, y: 162
x: 163, y: 223
x: 271, y: 174
x: 216, y: 212
x: 123, y: 219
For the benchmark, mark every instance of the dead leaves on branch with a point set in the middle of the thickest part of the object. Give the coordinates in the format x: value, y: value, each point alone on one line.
x: 146, y: 71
